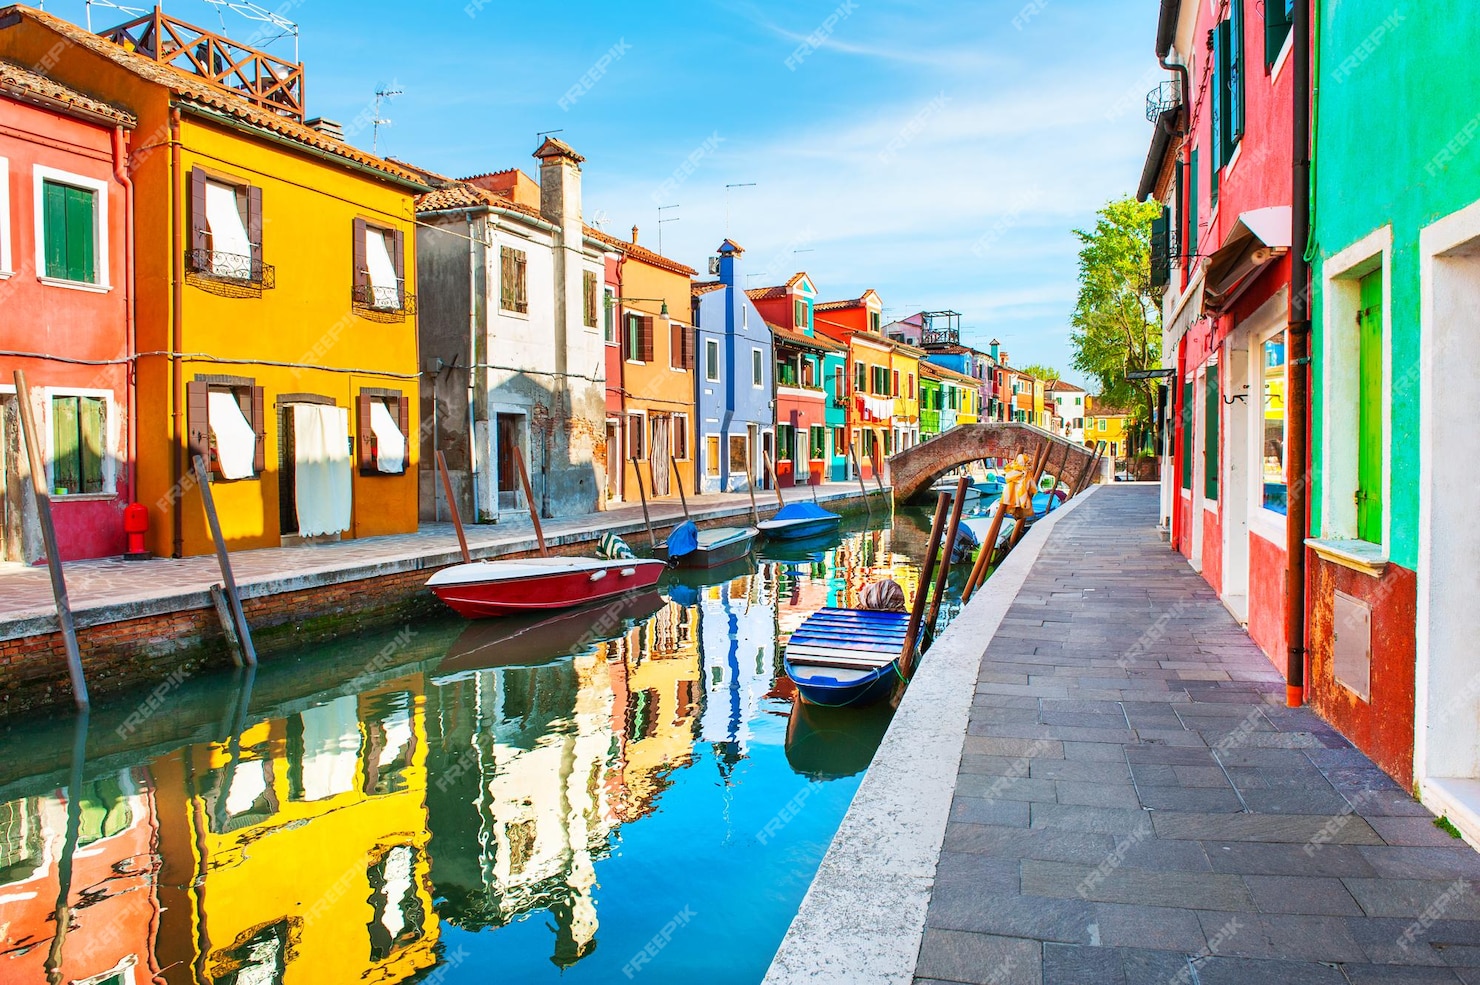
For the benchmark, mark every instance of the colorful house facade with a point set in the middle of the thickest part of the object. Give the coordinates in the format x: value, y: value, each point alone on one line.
x: 806, y: 444
x: 1109, y: 424
x: 66, y: 289
x: 1221, y: 165
x: 735, y: 384
x: 1393, y: 545
x: 306, y: 427
x: 513, y: 337
x: 1067, y: 404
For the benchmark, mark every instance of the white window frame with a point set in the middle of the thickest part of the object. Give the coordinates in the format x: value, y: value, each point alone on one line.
x: 1264, y: 521
x: 6, y: 268
x: 1341, y: 275
x: 711, y: 360
x: 110, y: 449
x: 680, y: 422
x: 41, y: 175
x: 610, y: 333
x: 757, y: 367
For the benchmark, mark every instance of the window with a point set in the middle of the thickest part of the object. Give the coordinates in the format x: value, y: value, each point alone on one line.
x: 785, y: 443
x: 1276, y: 485
x: 589, y: 293
x: 6, y: 267
x: 840, y: 383
x: 681, y: 437
x: 840, y: 440
x: 711, y: 454
x: 894, y: 384
x: 1187, y: 422
x: 1212, y: 418
x: 380, y: 268
x: 739, y: 455
x: 711, y: 360
x: 858, y: 378
x: 637, y: 339
x: 873, y: 322
x: 71, y: 218
x: 757, y: 368
x: 910, y: 391
x: 226, y: 231
x: 79, y: 443
x: 225, y: 425
x: 1228, y: 90
x: 819, y: 443
x: 1370, y: 393
x: 799, y: 314
x: 680, y: 346
x: 383, y: 426
x: 881, y: 380
x: 609, y: 318
x: 809, y: 372
x: 637, y: 436
x: 1192, y: 206
x: 514, y: 280
x: 1279, y: 18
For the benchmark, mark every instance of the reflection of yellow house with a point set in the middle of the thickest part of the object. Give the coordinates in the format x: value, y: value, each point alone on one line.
x: 270, y: 897
x: 1108, y: 424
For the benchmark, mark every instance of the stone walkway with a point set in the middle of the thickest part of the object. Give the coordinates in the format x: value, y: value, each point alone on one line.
x: 1135, y: 804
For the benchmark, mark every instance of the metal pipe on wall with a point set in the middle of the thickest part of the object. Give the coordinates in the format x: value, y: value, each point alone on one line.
x: 1297, y: 447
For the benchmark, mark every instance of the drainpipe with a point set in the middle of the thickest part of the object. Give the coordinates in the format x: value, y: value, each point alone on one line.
x: 177, y: 334
x: 475, y: 256
x: 622, y: 380
x: 1297, y: 521
x: 120, y: 174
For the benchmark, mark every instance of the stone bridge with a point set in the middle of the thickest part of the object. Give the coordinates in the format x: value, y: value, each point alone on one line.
x: 912, y: 471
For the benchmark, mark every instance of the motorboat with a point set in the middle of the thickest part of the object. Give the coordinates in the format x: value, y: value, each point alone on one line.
x: 481, y: 589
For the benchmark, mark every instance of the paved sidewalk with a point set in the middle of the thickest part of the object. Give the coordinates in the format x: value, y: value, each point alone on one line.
x: 100, y: 589
x: 1136, y: 805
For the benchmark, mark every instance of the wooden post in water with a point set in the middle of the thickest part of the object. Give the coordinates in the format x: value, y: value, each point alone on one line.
x: 642, y: 494
x: 755, y: 513
x: 962, y: 484
x: 858, y: 471
x: 223, y: 558
x: 41, y: 495
x: 534, y: 511
x: 775, y: 479
x: 1052, y: 499
x: 228, y: 623
x: 984, y: 557
x: 462, y: 538
x: 922, y: 591
x: 678, y: 481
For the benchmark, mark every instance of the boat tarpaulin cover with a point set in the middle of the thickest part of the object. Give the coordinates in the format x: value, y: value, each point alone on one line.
x: 390, y: 443
x: 613, y: 548
x: 321, y: 469
x: 803, y: 511
x: 236, y: 442
x: 684, y: 540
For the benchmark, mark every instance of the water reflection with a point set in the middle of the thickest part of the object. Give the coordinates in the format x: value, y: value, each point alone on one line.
x: 501, y: 797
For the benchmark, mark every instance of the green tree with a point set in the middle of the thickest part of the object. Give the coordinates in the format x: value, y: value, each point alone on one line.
x: 1117, y: 319
x: 1042, y: 372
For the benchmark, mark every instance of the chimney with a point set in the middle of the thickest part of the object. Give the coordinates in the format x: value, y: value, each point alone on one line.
x: 329, y: 128
x: 512, y: 184
x: 560, y: 187
x: 729, y: 264
x: 996, y: 350
x: 634, y: 235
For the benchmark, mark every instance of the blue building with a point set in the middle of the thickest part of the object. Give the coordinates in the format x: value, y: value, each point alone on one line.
x: 735, y: 386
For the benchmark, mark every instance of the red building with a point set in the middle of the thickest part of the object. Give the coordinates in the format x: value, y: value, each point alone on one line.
x: 1221, y: 166
x: 66, y: 288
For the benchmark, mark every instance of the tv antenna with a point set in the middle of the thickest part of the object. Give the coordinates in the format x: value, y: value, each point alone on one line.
x: 745, y: 184
x: 269, y: 20
x: 127, y: 11
x: 381, y: 94
x: 661, y: 221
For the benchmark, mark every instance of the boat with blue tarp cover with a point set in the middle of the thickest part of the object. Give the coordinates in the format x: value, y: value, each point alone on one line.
x: 795, y: 521
x: 843, y: 657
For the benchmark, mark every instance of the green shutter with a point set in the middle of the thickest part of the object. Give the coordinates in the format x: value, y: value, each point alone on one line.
x: 66, y: 462
x: 1161, y: 251
x: 1220, y: 83
x: 1186, y: 434
x: 54, y: 227
x: 1212, y: 407
x: 81, y: 265
x: 1237, y: 57
x: 1276, y: 29
x: 90, y: 439
x: 1192, y: 203
x: 1370, y: 398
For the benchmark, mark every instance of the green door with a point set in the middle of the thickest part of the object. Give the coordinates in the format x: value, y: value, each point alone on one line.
x: 1212, y: 417
x: 1370, y: 400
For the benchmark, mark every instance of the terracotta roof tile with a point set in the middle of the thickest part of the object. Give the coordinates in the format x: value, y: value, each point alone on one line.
x: 699, y: 287
x: 765, y: 293
x: 803, y: 341
x: 26, y: 85
x: 208, y: 96
x: 838, y: 305
x: 641, y: 253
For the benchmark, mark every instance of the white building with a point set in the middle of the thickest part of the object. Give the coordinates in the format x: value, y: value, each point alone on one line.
x: 1069, y: 405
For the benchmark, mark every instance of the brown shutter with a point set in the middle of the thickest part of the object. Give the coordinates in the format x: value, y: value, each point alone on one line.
x: 198, y: 421
x: 688, y: 347
x: 366, y: 442
x: 506, y: 277
x: 198, y: 229
x: 259, y: 425
x: 254, y: 228
x: 403, y: 418
x: 675, y: 345
x: 398, y: 257
x: 646, y: 334
x: 362, y: 273
x: 521, y: 282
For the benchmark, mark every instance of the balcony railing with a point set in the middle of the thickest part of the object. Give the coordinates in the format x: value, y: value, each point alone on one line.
x: 940, y: 336
x: 229, y: 274
x: 1166, y: 96
x: 377, y: 304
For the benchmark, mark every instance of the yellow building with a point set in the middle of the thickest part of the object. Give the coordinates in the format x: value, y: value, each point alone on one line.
x: 275, y: 272
x: 1108, y: 424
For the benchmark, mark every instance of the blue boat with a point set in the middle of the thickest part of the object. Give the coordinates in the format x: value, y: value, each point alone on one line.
x: 796, y: 521
x: 843, y: 658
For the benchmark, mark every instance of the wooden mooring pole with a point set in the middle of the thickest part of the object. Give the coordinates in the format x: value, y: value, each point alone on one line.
x: 962, y: 484
x: 223, y: 558
x: 858, y: 471
x: 41, y: 493
x: 457, y: 524
x: 677, y: 481
x: 922, y: 591
x: 642, y: 494
x: 534, y: 511
x: 775, y: 479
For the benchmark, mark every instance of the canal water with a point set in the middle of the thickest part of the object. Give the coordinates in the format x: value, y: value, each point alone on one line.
x: 623, y: 794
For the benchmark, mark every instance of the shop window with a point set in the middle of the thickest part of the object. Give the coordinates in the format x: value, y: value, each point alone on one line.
x: 1276, y: 485
x: 79, y: 436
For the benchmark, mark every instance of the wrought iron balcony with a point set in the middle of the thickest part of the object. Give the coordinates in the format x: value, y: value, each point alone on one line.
x: 940, y: 336
x: 376, y: 304
x: 1167, y: 96
x: 229, y: 274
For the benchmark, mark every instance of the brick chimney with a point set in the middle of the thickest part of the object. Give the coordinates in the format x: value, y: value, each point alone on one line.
x: 560, y: 187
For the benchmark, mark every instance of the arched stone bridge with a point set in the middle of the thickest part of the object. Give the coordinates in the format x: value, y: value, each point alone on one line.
x: 913, y: 470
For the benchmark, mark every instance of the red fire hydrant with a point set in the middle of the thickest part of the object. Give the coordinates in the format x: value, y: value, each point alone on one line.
x: 136, y: 525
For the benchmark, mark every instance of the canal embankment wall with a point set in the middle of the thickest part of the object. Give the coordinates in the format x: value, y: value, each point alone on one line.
x: 144, y: 623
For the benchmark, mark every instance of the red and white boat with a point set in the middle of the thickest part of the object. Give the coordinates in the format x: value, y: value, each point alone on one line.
x: 539, y: 584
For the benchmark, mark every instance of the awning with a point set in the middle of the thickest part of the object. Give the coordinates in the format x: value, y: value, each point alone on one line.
x: 1257, y: 238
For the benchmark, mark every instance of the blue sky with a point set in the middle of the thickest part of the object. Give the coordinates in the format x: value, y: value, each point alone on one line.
x: 938, y: 151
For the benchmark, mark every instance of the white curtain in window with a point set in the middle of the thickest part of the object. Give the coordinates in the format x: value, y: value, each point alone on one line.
x: 321, y: 468
x: 236, y: 442
x: 229, y: 241
x: 390, y: 443
x: 331, y: 748
x: 383, y: 290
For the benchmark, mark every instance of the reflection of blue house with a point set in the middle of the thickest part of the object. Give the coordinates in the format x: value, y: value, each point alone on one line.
x: 735, y: 363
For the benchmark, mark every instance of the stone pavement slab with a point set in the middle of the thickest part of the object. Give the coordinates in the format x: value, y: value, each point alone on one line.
x: 1135, y: 805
